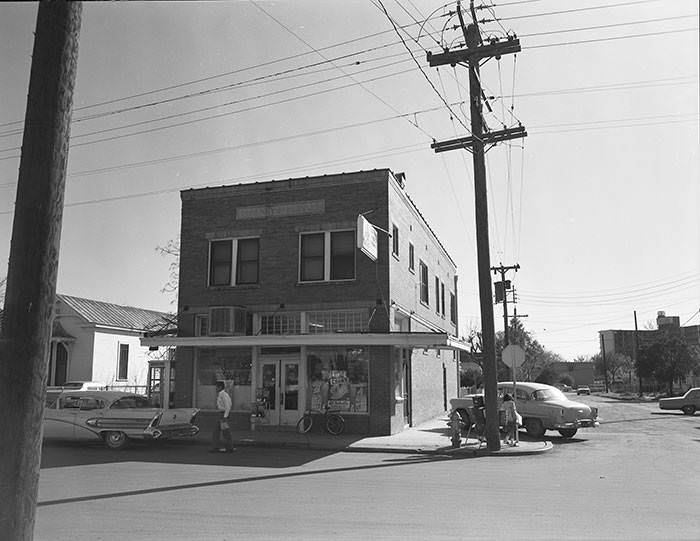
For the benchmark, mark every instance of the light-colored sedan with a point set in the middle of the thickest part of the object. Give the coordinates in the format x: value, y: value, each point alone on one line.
x: 544, y: 407
x: 689, y: 403
x: 113, y: 417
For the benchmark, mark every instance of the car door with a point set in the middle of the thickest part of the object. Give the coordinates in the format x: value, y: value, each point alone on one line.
x: 60, y: 417
x: 89, y: 409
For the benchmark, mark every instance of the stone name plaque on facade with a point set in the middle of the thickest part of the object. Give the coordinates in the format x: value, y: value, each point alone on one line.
x: 299, y: 208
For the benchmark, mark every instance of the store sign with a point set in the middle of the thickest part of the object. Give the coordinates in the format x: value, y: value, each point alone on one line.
x: 367, y: 237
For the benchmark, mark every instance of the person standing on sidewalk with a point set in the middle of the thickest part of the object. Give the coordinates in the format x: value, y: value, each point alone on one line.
x: 510, y: 419
x: 223, y: 404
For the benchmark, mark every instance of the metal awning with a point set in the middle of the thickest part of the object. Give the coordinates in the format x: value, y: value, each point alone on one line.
x: 419, y: 340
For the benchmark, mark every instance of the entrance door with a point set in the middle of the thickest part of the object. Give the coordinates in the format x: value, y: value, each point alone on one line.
x: 406, y: 385
x: 279, y: 383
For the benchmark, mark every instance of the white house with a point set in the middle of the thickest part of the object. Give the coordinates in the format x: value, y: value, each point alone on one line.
x: 99, y: 341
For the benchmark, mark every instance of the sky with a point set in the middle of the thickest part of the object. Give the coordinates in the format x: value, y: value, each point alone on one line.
x: 598, y: 204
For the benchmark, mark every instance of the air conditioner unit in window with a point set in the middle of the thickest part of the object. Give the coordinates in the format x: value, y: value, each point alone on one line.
x: 227, y: 321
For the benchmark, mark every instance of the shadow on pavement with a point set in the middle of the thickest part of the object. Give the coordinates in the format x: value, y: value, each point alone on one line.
x: 62, y: 454
x: 391, y: 463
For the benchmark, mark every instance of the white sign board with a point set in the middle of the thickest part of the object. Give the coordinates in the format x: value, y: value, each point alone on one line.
x: 367, y: 238
x: 513, y: 355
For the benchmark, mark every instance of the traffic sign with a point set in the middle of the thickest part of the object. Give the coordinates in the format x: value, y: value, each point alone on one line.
x: 513, y: 355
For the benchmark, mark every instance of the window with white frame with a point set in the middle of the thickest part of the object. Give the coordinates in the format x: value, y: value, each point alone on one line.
x: 281, y: 323
x: 437, y: 295
x: 423, y: 271
x: 411, y: 257
x: 453, y: 308
x: 442, y: 299
x: 123, y: 362
x: 222, y: 255
x: 326, y: 256
x: 395, y: 240
x: 330, y: 321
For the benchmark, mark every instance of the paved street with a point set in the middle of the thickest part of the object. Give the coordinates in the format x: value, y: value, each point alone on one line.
x: 635, y: 477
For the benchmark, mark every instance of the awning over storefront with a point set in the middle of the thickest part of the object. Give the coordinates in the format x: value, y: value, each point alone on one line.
x: 419, y: 340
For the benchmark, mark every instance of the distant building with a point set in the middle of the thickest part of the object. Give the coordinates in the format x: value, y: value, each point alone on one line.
x: 622, y: 341
x: 99, y: 341
x: 581, y: 373
x: 315, y: 291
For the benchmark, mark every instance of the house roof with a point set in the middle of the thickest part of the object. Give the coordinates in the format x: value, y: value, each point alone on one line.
x: 114, y: 315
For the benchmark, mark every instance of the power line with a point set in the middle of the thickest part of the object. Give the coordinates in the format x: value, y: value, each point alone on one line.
x: 614, y: 38
x: 576, y: 10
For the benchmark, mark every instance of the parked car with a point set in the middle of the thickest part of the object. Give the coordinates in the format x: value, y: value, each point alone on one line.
x: 79, y: 386
x: 689, y: 403
x: 563, y: 387
x: 583, y: 389
x: 113, y: 417
x: 544, y: 407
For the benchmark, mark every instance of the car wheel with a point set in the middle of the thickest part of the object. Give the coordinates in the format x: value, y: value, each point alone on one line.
x: 116, y: 440
x: 688, y: 410
x: 534, y: 427
x: 568, y: 432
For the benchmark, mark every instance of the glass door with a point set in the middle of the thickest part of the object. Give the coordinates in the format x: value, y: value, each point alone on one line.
x: 279, y: 387
x: 289, y: 413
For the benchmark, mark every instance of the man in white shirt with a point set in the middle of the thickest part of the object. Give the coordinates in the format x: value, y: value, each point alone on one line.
x: 223, y: 404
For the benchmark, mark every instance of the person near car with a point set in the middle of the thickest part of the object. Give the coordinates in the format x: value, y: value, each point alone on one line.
x: 510, y: 418
x: 222, y: 427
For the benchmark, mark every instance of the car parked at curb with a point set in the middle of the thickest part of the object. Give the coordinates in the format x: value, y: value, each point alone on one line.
x: 113, y: 417
x: 583, y: 389
x: 541, y: 406
x: 689, y: 403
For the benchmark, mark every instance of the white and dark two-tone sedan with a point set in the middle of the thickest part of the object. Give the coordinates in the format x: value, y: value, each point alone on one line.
x: 113, y: 417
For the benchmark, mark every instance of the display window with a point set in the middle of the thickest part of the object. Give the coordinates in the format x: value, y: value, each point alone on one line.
x: 230, y: 365
x: 338, y: 378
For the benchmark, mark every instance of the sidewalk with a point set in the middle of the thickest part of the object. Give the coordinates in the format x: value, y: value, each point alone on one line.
x: 431, y: 437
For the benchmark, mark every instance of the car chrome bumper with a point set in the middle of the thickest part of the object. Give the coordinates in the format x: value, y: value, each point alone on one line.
x: 173, y: 431
x: 581, y: 423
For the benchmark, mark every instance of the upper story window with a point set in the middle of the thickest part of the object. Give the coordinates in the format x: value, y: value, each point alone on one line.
x: 453, y: 308
x: 437, y: 295
x: 328, y: 255
x: 201, y: 325
x: 395, y: 240
x: 411, y: 258
x: 423, y: 271
x: 223, y: 253
x: 442, y: 299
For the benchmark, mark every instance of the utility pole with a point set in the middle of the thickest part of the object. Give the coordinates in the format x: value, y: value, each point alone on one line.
x: 636, y: 351
x: 505, y: 285
x: 605, y: 362
x: 31, y: 277
x: 472, y: 55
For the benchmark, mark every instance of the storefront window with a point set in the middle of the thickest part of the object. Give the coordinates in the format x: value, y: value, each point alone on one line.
x: 230, y: 365
x: 339, y: 378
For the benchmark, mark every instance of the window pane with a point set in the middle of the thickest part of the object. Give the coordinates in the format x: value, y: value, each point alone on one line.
x: 411, y: 257
x: 220, y: 263
x: 423, y: 282
x: 123, y: 370
x: 395, y: 240
x: 247, y: 264
x: 312, y: 255
x: 339, y: 378
x: 342, y: 255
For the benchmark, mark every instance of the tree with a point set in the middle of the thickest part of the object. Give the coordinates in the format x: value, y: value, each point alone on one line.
x: 618, y: 366
x: 668, y: 360
x: 171, y: 249
x: 537, y: 357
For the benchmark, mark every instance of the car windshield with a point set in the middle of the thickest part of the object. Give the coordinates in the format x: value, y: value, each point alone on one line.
x: 548, y: 394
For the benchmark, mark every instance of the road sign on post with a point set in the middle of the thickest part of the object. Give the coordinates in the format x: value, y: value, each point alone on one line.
x: 514, y: 356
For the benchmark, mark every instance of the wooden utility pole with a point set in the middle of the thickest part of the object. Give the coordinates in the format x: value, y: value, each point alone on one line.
x: 506, y: 287
x: 472, y: 55
x: 31, y: 277
x: 636, y: 351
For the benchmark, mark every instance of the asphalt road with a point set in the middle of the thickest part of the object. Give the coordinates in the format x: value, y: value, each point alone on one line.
x: 637, y: 476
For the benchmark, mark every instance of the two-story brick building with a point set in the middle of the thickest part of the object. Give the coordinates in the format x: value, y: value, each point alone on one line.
x: 295, y: 301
